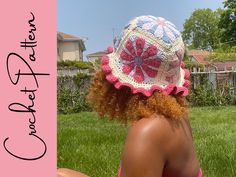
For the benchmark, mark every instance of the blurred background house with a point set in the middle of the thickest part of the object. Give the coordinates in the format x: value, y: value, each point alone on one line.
x: 220, y: 72
x: 97, y: 56
x: 69, y: 47
x: 198, y: 56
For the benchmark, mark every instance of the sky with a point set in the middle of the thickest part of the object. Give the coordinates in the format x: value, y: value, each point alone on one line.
x: 95, y: 20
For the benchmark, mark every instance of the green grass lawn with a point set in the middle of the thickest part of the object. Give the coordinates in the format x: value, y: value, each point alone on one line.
x: 94, y: 146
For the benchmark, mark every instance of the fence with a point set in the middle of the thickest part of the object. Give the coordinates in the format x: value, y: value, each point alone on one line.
x: 73, y: 85
x: 216, y: 79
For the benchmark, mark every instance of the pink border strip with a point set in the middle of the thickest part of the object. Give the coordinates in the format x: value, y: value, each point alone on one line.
x: 28, y: 102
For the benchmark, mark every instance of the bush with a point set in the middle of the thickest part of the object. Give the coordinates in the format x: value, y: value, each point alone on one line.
x: 80, y: 77
x: 217, y: 56
x: 190, y: 65
x: 72, y: 100
x: 74, y: 64
x: 206, y: 95
x: 69, y: 101
x: 223, y: 53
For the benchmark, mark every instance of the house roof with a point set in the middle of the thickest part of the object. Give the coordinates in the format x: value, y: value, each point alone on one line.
x: 98, y: 54
x: 70, y: 38
x: 62, y: 35
x: 199, y: 55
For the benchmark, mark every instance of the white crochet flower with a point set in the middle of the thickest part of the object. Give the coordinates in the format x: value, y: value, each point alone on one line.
x: 159, y: 27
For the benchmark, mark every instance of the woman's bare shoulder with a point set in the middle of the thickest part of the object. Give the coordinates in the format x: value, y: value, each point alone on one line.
x: 160, y: 134
x: 146, y: 147
x: 156, y: 127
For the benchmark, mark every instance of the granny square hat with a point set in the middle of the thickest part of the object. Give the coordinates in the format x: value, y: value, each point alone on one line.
x: 148, y: 57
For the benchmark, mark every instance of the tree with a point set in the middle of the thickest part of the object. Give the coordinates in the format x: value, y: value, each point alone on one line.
x: 201, y: 29
x: 227, y: 23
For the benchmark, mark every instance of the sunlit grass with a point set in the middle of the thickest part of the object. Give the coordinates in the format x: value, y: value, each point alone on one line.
x: 94, y: 146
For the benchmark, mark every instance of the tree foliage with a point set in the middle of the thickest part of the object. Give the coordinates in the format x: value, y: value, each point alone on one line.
x: 227, y: 23
x: 201, y: 29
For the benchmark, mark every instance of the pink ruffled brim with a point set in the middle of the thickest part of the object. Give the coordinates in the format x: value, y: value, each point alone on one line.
x: 170, y: 89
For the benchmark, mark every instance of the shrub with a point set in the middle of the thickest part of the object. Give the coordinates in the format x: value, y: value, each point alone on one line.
x: 206, y: 95
x: 74, y: 64
x: 80, y: 77
x: 71, y: 100
x: 223, y: 53
x: 190, y: 65
x: 217, y: 56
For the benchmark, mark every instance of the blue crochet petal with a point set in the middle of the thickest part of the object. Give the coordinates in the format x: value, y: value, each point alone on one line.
x: 176, y: 34
x: 153, y: 29
x: 140, y: 23
x: 165, y: 37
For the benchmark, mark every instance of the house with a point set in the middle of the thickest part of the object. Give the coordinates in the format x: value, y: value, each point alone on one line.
x: 219, y: 73
x: 97, y: 56
x: 69, y: 47
x: 198, y: 56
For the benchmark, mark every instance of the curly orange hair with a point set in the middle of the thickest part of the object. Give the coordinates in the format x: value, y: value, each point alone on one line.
x: 121, y: 104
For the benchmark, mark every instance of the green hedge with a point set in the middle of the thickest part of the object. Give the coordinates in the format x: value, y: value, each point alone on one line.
x: 224, y: 53
x: 74, y: 64
x: 206, y: 95
x: 72, y: 101
x: 190, y: 65
x: 222, y: 56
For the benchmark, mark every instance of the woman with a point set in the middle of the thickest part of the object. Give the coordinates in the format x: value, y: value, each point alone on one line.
x: 143, y: 83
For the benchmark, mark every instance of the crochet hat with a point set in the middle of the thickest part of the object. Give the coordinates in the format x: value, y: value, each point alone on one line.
x: 148, y: 57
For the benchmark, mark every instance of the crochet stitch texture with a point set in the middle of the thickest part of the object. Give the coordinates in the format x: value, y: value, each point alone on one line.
x: 148, y: 57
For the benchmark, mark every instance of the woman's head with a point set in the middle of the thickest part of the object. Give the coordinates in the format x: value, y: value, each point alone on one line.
x: 144, y: 74
x: 123, y: 105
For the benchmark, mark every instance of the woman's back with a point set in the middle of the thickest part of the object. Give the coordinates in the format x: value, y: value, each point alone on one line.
x: 159, y: 146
